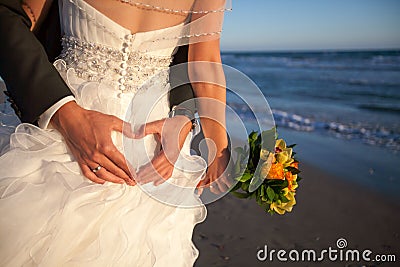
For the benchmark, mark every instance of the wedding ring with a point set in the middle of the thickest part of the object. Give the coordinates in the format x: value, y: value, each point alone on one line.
x: 98, y: 168
x: 211, y: 186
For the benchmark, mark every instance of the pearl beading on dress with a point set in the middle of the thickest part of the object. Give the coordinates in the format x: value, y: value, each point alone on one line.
x: 174, y: 11
x: 122, y: 69
x: 106, y: 29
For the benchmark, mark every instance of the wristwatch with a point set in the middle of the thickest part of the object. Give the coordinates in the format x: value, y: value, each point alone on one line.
x: 182, y: 111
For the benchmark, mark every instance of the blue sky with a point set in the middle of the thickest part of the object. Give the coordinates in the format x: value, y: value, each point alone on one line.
x: 312, y: 25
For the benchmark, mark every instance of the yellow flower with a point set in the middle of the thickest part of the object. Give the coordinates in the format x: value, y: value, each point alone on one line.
x: 280, y: 144
x: 281, y: 208
x: 292, y: 186
x: 283, y: 154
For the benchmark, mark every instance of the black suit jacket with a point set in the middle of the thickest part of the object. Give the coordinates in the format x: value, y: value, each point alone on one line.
x: 33, y: 84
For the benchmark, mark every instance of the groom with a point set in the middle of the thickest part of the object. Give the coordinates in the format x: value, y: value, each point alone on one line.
x: 39, y: 95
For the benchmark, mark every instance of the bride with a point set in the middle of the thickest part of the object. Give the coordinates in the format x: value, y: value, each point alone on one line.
x: 62, y: 204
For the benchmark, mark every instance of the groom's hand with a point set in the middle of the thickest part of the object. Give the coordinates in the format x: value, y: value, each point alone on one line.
x: 88, y: 135
x: 172, y: 133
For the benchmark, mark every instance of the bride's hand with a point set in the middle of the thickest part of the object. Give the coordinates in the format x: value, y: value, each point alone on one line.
x: 172, y: 133
x: 88, y: 135
x: 218, y: 177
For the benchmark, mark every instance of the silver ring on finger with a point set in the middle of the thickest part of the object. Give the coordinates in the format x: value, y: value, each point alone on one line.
x: 98, y: 168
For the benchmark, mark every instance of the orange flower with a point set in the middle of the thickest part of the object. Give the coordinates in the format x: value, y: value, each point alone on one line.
x: 289, y: 176
x: 276, y: 171
x: 295, y: 164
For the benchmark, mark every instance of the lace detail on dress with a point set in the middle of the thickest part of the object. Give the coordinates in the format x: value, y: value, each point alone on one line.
x: 123, y: 69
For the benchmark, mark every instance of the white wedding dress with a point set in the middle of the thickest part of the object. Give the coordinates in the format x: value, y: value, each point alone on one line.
x: 51, y: 215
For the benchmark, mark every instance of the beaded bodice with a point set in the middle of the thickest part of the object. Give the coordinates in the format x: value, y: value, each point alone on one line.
x: 99, y: 49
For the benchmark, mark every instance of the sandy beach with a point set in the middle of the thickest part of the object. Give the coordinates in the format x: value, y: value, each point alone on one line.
x: 329, y: 207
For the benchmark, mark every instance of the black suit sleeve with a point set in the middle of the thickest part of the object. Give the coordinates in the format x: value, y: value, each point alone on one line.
x: 33, y: 84
x: 181, y: 93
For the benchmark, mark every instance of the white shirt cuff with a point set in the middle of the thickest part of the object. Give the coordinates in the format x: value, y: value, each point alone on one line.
x: 44, y: 119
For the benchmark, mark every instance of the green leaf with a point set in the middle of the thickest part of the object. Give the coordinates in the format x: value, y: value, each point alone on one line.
x: 253, y: 136
x: 270, y: 193
x: 283, y: 183
x: 293, y: 170
x: 274, y: 182
x: 236, y: 187
x: 272, y: 212
x: 284, y: 199
x: 245, y: 177
x: 245, y: 186
x: 262, y: 190
x: 240, y: 195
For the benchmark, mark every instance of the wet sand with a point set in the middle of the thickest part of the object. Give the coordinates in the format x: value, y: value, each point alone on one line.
x: 328, y: 208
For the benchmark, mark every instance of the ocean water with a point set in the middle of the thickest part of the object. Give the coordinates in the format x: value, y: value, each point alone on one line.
x: 347, y: 95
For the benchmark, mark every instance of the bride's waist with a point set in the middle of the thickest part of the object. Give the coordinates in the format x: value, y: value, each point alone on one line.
x: 123, y: 69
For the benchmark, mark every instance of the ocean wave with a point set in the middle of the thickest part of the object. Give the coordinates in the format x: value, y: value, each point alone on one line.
x: 365, y: 82
x: 372, y: 135
x: 368, y: 133
x: 381, y: 107
x: 386, y: 60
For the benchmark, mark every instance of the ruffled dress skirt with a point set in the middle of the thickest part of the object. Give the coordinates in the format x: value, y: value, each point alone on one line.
x: 51, y: 215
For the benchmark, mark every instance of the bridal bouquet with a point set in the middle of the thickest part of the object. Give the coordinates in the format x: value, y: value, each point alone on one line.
x: 271, y: 177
